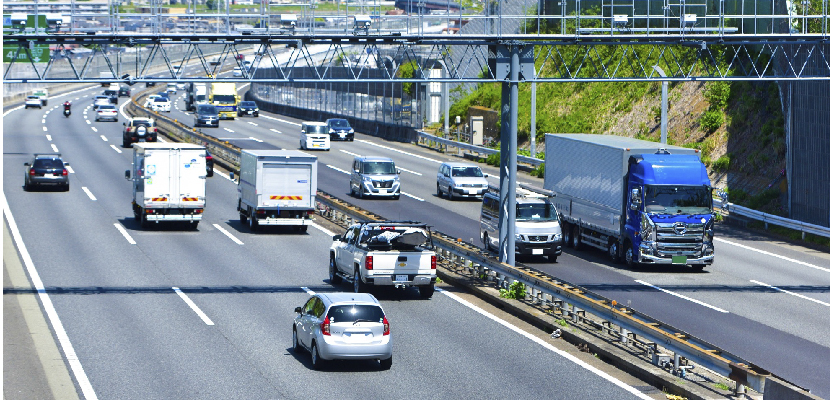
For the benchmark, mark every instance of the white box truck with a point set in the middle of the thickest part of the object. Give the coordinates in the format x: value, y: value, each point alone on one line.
x: 168, y: 183
x: 277, y: 187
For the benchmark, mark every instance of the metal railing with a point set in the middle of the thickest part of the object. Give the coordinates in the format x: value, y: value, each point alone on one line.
x: 426, y: 138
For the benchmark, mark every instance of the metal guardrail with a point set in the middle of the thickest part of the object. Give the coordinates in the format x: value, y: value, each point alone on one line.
x: 563, y: 299
x: 734, y: 209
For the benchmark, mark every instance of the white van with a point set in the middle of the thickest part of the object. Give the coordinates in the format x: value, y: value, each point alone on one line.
x: 538, y: 231
x: 314, y: 135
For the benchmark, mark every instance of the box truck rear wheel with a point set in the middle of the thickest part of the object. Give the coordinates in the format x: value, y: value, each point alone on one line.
x: 629, y: 256
x: 614, y: 251
x: 568, y: 232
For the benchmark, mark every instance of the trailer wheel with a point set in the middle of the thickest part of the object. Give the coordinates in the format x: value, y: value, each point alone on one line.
x: 629, y: 256
x: 577, y: 238
x: 567, y: 231
x: 614, y: 251
x: 252, y: 224
x: 243, y: 218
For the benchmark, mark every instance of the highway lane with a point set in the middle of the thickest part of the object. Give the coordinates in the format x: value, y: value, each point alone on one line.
x: 778, y: 330
x: 136, y: 338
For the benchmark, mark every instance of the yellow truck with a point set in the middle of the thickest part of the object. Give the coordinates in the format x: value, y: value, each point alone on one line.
x: 223, y: 96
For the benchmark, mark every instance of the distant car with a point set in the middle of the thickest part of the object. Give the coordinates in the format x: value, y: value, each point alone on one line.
x: 46, y: 169
x: 345, y: 326
x: 180, y: 86
x: 461, y: 180
x: 100, y: 100
x: 313, y: 136
x: 206, y: 115
x: 124, y: 91
x: 177, y: 70
x: 149, y: 100
x: 106, y: 112
x: 209, y: 163
x: 237, y: 71
x: 148, y: 84
x: 339, y: 129
x: 138, y: 129
x: 160, y: 104
x: 163, y: 93
x: 33, y: 101
x: 247, y: 108
x: 247, y: 64
x: 112, y: 94
x: 171, y: 87
x: 240, y: 56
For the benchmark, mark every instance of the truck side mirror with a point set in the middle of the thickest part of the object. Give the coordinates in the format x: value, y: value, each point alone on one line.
x: 635, y: 199
x: 127, y: 174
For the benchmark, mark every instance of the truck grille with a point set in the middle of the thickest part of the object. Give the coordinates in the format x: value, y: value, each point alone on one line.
x: 382, y: 184
x: 537, y: 238
x: 679, y: 239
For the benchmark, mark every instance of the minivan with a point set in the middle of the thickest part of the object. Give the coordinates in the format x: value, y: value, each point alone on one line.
x: 538, y: 231
x: 313, y: 136
x: 375, y: 176
x: 461, y: 180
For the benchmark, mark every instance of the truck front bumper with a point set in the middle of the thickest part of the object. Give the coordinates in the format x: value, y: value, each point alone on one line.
x: 539, y: 248
x: 704, y: 255
x: 392, y: 280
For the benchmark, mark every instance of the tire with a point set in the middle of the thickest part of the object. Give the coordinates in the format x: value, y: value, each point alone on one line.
x: 386, y: 364
x: 567, y: 232
x: 629, y: 256
x: 577, y: 237
x: 333, y: 277
x: 210, y: 173
x: 66, y: 187
x: 295, y: 343
x: 243, y: 219
x: 438, y: 190
x: 426, y: 291
x: 450, y: 196
x: 614, y: 251
x: 397, y: 197
x: 252, y: 224
x: 698, y: 267
x: 486, y: 241
x: 360, y: 193
x: 302, y: 229
x: 126, y: 145
x: 359, y: 286
x: 351, y: 191
x: 143, y: 221
x: 316, y: 362
x: 26, y: 186
x: 552, y: 259
x: 194, y: 225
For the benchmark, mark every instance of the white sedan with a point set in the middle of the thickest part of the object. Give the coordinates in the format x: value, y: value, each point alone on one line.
x: 33, y: 101
x: 149, y: 99
x: 108, y: 112
x: 237, y: 71
x: 160, y: 104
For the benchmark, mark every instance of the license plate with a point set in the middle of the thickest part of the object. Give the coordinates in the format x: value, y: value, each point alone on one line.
x: 250, y: 112
x: 49, y: 175
x: 401, y: 278
x: 678, y: 260
x: 538, y: 251
x: 384, y: 191
x: 316, y: 145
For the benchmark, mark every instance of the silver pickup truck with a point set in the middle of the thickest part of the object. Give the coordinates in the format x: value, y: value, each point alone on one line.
x: 385, y: 254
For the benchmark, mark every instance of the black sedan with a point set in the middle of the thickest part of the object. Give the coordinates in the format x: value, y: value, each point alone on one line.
x: 247, y: 108
x: 46, y: 169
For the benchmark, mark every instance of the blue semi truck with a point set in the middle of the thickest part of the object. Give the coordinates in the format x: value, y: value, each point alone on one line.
x: 641, y: 202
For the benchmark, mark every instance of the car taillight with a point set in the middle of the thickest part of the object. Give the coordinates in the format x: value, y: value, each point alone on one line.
x: 260, y: 213
x: 433, y: 262
x: 325, y: 327
x: 209, y: 158
x: 198, y: 211
x: 65, y: 172
x: 369, y: 262
x: 310, y: 213
x: 31, y: 171
x: 385, y: 326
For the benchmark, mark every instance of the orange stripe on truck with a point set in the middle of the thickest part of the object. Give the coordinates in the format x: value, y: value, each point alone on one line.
x: 286, y: 197
x: 159, y: 198
x: 190, y: 199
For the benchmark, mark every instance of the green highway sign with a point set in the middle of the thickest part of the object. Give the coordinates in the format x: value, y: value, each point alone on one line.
x: 40, y: 52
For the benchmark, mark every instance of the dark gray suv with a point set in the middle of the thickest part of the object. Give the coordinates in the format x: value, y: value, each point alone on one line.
x: 206, y: 115
x: 46, y: 169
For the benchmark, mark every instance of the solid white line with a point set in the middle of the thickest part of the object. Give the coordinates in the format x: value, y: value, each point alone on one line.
x: 71, y: 171
x: 350, y: 153
x: 252, y: 123
x: 193, y: 306
x: 307, y: 290
x: 45, y: 129
x: 275, y: 131
x: 55, y: 148
x: 789, y: 292
x: 281, y: 120
x: 411, y: 172
x: 229, y: 130
x: 338, y: 169
x: 115, y: 148
x: 324, y: 230
x: 228, y: 234
x: 88, y: 193
x: 682, y: 296
x: 414, y: 197
x: 546, y: 345
x: 774, y: 255
x: 49, y: 137
x: 254, y: 139
x: 121, y: 109
x: 94, y: 129
x: 399, y: 151
x: 49, y: 308
x: 104, y: 138
x: 124, y: 233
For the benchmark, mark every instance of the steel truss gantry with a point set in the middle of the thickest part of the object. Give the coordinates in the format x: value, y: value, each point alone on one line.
x: 467, y: 59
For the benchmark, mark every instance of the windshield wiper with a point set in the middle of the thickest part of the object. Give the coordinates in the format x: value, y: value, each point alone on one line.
x: 361, y: 320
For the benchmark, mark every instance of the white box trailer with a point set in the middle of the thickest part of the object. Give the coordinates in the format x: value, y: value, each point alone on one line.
x: 168, y: 182
x: 277, y: 187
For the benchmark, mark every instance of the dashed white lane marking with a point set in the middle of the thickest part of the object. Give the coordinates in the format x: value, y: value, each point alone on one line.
x: 399, y: 151
x: 45, y: 129
x: 252, y: 123
x: 275, y: 131
x: 104, y: 138
x: 791, y: 293
x: 49, y: 137
x: 228, y: 234
x: 115, y: 148
x: 411, y: 172
x: 43, y: 121
x: 350, y: 153
x: 682, y: 296
x: 773, y: 255
x: 254, y: 139
x: 281, y: 120
x: 48, y: 307
x: 414, y: 197
x: 229, y: 130
x: 124, y: 233
x: 89, y: 122
x: 193, y: 306
x: 307, y: 290
x: 321, y: 229
x: 71, y: 171
x: 55, y: 148
x: 338, y: 169
x: 94, y: 129
x: 546, y: 345
x: 89, y: 194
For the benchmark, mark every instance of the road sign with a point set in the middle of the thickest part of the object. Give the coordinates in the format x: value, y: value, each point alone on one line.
x: 40, y: 52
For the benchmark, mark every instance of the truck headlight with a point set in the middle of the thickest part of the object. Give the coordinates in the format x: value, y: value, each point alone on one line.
x: 331, y: 130
x: 367, y: 179
x: 647, y: 229
x: 557, y: 237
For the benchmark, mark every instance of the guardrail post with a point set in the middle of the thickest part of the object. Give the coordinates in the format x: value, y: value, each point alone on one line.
x: 624, y: 337
x: 740, y: 391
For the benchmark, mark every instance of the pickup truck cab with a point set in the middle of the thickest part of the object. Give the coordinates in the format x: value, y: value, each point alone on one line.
x: 385, y: 254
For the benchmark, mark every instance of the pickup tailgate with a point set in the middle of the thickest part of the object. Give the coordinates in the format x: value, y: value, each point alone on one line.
x: 401, y: 263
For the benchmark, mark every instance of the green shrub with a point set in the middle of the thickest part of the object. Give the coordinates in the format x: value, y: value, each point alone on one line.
x: 539, y: 171
x: 516, y: 291
x: 494, y: 159
x: 722, y: 163
x: 711, y: 120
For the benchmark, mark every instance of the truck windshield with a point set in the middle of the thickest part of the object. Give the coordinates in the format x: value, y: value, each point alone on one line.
x: 380, y: 168
x: 200, y: 97
x: 224, y: 98
x: 668, y: 199
x: 541, y: 212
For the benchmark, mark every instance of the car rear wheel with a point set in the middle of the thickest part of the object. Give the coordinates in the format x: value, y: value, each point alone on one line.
x: 316, y: 362
x: 252, y: 223
x: 386, y: 364
x: 333, y: 277
x: 359, y: 286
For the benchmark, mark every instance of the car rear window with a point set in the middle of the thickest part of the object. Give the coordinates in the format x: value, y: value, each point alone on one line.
x: 48, y: 163
x: 354, y: 312
x: 106, y: 108
x: 144, y: 123
x: 339, y: 123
